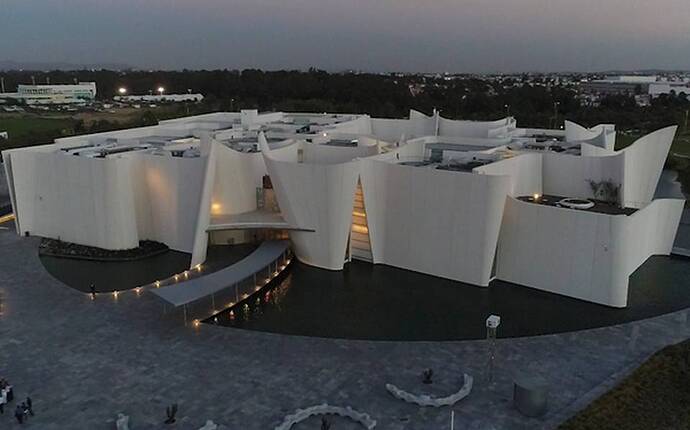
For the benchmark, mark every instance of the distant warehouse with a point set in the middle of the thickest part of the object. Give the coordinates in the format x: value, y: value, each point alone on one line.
x: 156, y: 98
x: 80, y: 93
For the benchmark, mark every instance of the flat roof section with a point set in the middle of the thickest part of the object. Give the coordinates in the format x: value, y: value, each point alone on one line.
x: 597, y: 207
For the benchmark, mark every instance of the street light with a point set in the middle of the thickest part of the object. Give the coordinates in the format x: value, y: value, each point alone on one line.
x: 122, y: 91
x: 161, y: 90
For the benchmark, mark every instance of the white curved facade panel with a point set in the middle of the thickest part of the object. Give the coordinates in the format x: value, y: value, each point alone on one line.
x: 173, y: 186
x: 432, y: 221
x: 525, y: 173
x: 581, y: 254
x: 237, y: 176
x: 569, y: 175
x: 481, y: 129
x: 392, y: 130
x: 601, y: 135
x: 320, y: 198
x: 327, y: 154
x: 84, y: 201
x: 644, y: 161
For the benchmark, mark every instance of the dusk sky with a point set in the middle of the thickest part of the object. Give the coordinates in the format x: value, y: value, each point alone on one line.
x: 372, y: 35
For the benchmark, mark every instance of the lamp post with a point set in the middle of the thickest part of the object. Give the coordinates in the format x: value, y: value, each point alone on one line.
x: 492, y: 323
x: 555, y: 113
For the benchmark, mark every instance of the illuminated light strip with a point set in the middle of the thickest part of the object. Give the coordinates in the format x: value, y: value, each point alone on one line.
x: 7, y: 218
x: 361, y: 214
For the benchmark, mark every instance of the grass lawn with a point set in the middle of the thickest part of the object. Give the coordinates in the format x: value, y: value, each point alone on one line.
x: 655, y: 396
x: 24, y: 125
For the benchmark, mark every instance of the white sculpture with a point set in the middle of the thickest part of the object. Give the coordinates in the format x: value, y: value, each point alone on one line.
x: 122, y: 422
x: 210, y: 425
x: 427, y: 400
x: 326, y: 409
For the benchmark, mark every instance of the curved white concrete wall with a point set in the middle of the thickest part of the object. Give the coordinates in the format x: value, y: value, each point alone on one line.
x: 582, y: 254
x: 449, y: 127
x: 568, y: 175
x: 320, y: 198
x: 602, y: 135
x: 525, y: 171
x: 75, y: 199
x: 317, y: 197
x: 327, y: 154
x: 237, y: 176
x: 392, y: 130
x: 169, y: 193
x: 644, y: 160
x: 432, y: 221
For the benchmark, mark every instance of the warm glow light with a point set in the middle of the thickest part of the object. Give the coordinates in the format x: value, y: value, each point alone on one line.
x: 257, y: 288
x: 360, y: 229
x: 161, y: 90
x: 122, y: 91
x: 357, y: 213
x: 115, y: 293
x: 198, y: 267
x: 216, y: 208
x: 196, y: 323
x: 158, y: 284
x: 138, y: 290
x: 536, y: 197
x: 244, y: 296
x: 177, y: 277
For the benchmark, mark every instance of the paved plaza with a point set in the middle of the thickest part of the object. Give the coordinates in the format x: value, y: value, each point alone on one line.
x: 83, y: 361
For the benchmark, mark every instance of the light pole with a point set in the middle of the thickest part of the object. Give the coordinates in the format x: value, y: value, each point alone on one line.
x: 492, y: 323
x: 507, y: 109
x: 555, y: 113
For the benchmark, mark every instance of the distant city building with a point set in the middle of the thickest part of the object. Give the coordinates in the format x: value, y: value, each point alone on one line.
x: 471, y: 201
x: 653, y: 86
x: 82, y: 92
x: 158, y: 98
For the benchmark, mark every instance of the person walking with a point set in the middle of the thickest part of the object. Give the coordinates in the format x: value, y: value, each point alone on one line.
x: 3, y: 400
x: 29, y: 406
x: 19, y: 414
x: 25, y: 411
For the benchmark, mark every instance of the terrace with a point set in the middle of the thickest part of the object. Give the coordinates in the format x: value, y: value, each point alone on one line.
x: 580, y: 204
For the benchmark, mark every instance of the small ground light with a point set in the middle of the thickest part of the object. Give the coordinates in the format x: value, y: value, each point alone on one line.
x: 115, y: 294
x: 138, y: 290
x: 536, y: 197
x: 196, y: 323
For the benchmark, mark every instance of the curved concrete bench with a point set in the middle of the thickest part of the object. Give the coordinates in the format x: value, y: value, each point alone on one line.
x: 427, y: 400
x: 326, y: 409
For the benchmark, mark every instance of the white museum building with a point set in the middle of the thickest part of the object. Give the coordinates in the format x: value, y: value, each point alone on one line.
x: 556, y: 210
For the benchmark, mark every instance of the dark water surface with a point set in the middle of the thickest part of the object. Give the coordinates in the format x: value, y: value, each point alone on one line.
x: 365, y: 301
x: 111, y: 276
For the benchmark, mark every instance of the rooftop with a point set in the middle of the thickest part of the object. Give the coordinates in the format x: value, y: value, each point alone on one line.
x: 588, y: 205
